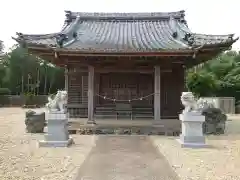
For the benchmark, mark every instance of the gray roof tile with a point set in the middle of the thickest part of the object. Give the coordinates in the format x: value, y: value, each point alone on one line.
x: 126, y: 32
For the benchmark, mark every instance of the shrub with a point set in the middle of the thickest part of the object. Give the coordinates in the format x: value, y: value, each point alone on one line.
x: 29, y: 99
x: 4, y: 91
x: 35, y: 122
x: 4, y: 98
x: 214, y: 121
x: 201, y: 84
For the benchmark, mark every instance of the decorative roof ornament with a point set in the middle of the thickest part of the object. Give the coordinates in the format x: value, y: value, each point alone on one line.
x: 231, y: 37
x: 175, y: 34
x: 69, y: 17
x: 22, y: 41
x: 173, y: 25
x: 20, y: 35
x: 75, y: 34
x: 182, y: 18
x: 60, y: 38
x: 189, y: 38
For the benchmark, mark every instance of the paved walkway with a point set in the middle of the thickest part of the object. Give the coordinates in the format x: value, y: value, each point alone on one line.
x: 125, y: 158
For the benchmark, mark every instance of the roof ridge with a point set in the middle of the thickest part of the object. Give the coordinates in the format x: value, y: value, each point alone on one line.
x: 36, y: 36
x: 215, y: 35
x: 123, y: 15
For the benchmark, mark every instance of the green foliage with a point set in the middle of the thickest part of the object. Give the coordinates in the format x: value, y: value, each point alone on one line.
x: 29, y: 98
x: 4, y: 91
x: 1, y: 46
x: 214, y: 121
x: 218, y: 77
x: 22, y: 73
x: 200, y: 82
x: 35, y: 122
x: 4, y: 98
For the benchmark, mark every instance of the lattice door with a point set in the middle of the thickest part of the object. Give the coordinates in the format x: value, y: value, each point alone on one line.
x: 126, y: 86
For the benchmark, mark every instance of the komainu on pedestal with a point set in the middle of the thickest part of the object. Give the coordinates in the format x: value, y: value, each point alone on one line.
x: 57, y: 104
x: 192, y: 121
x: 57, y: 120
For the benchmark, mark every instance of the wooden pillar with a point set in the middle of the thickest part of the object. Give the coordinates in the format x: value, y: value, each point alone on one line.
x: 66, y: 87
x: 157, y: 95
x: 66, y: 78
x: 91, y: 95
x: 184, y: 78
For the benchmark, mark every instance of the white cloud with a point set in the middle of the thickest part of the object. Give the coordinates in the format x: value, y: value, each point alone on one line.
x: 47, y: 16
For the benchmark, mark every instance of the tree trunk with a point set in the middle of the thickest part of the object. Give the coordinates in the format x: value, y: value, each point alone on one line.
x: 22, y: 83
x: 45, y: 81
x: 38, y: 81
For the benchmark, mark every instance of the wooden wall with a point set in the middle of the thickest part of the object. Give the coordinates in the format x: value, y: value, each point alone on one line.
x: 172, y: 85
x: 126, y: 86
x: 77, y: 94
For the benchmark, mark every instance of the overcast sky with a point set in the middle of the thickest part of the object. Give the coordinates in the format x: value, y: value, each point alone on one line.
x: 47, y: 16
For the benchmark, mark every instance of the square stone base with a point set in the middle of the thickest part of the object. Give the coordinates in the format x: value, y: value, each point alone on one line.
x: 192, y: 144
x: 44, y: 143
x: 192, y: 139
x: 90, y: 123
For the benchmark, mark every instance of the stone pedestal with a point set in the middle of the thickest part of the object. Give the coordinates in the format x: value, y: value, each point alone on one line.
x: 192, y: 133
x: 57, y: 131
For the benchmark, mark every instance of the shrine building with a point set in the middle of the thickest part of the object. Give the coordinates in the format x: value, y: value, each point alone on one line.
x: 125, y: 65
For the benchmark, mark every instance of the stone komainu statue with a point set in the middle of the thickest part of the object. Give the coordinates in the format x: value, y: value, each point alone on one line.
x: 193, y: 104
x: 215, y: 119
x: 57, y: 103
x: 189, y: 102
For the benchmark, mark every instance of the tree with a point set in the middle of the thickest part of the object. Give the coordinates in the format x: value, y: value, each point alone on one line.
x: 218, y: 77
x: 1, y: 47
x: 23, y: 72
x: 202, y: 84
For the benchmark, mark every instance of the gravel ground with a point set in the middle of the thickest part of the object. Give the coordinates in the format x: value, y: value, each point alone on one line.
x: 220, y: 162
x: 21, y: 159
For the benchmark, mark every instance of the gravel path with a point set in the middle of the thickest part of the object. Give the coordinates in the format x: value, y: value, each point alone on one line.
x: 125, y: 158
x: 21, y: 159
x: 221, y: 162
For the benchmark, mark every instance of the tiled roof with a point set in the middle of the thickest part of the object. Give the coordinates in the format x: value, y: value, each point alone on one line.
x: 125, y: 16
x: 126, y: 32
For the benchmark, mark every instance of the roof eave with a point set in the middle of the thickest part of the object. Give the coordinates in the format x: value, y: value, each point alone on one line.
x: 226, y: 45
x: 78, y: 52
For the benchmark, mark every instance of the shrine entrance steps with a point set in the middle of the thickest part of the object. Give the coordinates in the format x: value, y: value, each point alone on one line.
x: 125, y: 157
x: 123, y: 111
x: 126, y: 126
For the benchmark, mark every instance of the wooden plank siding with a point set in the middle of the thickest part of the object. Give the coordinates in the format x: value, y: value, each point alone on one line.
x: 124, y: 86
x: 172, y: 84
x: 78, y: 94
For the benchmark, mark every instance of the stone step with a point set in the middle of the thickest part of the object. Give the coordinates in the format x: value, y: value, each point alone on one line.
x: 109, y: 111
x: 161, y: 130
